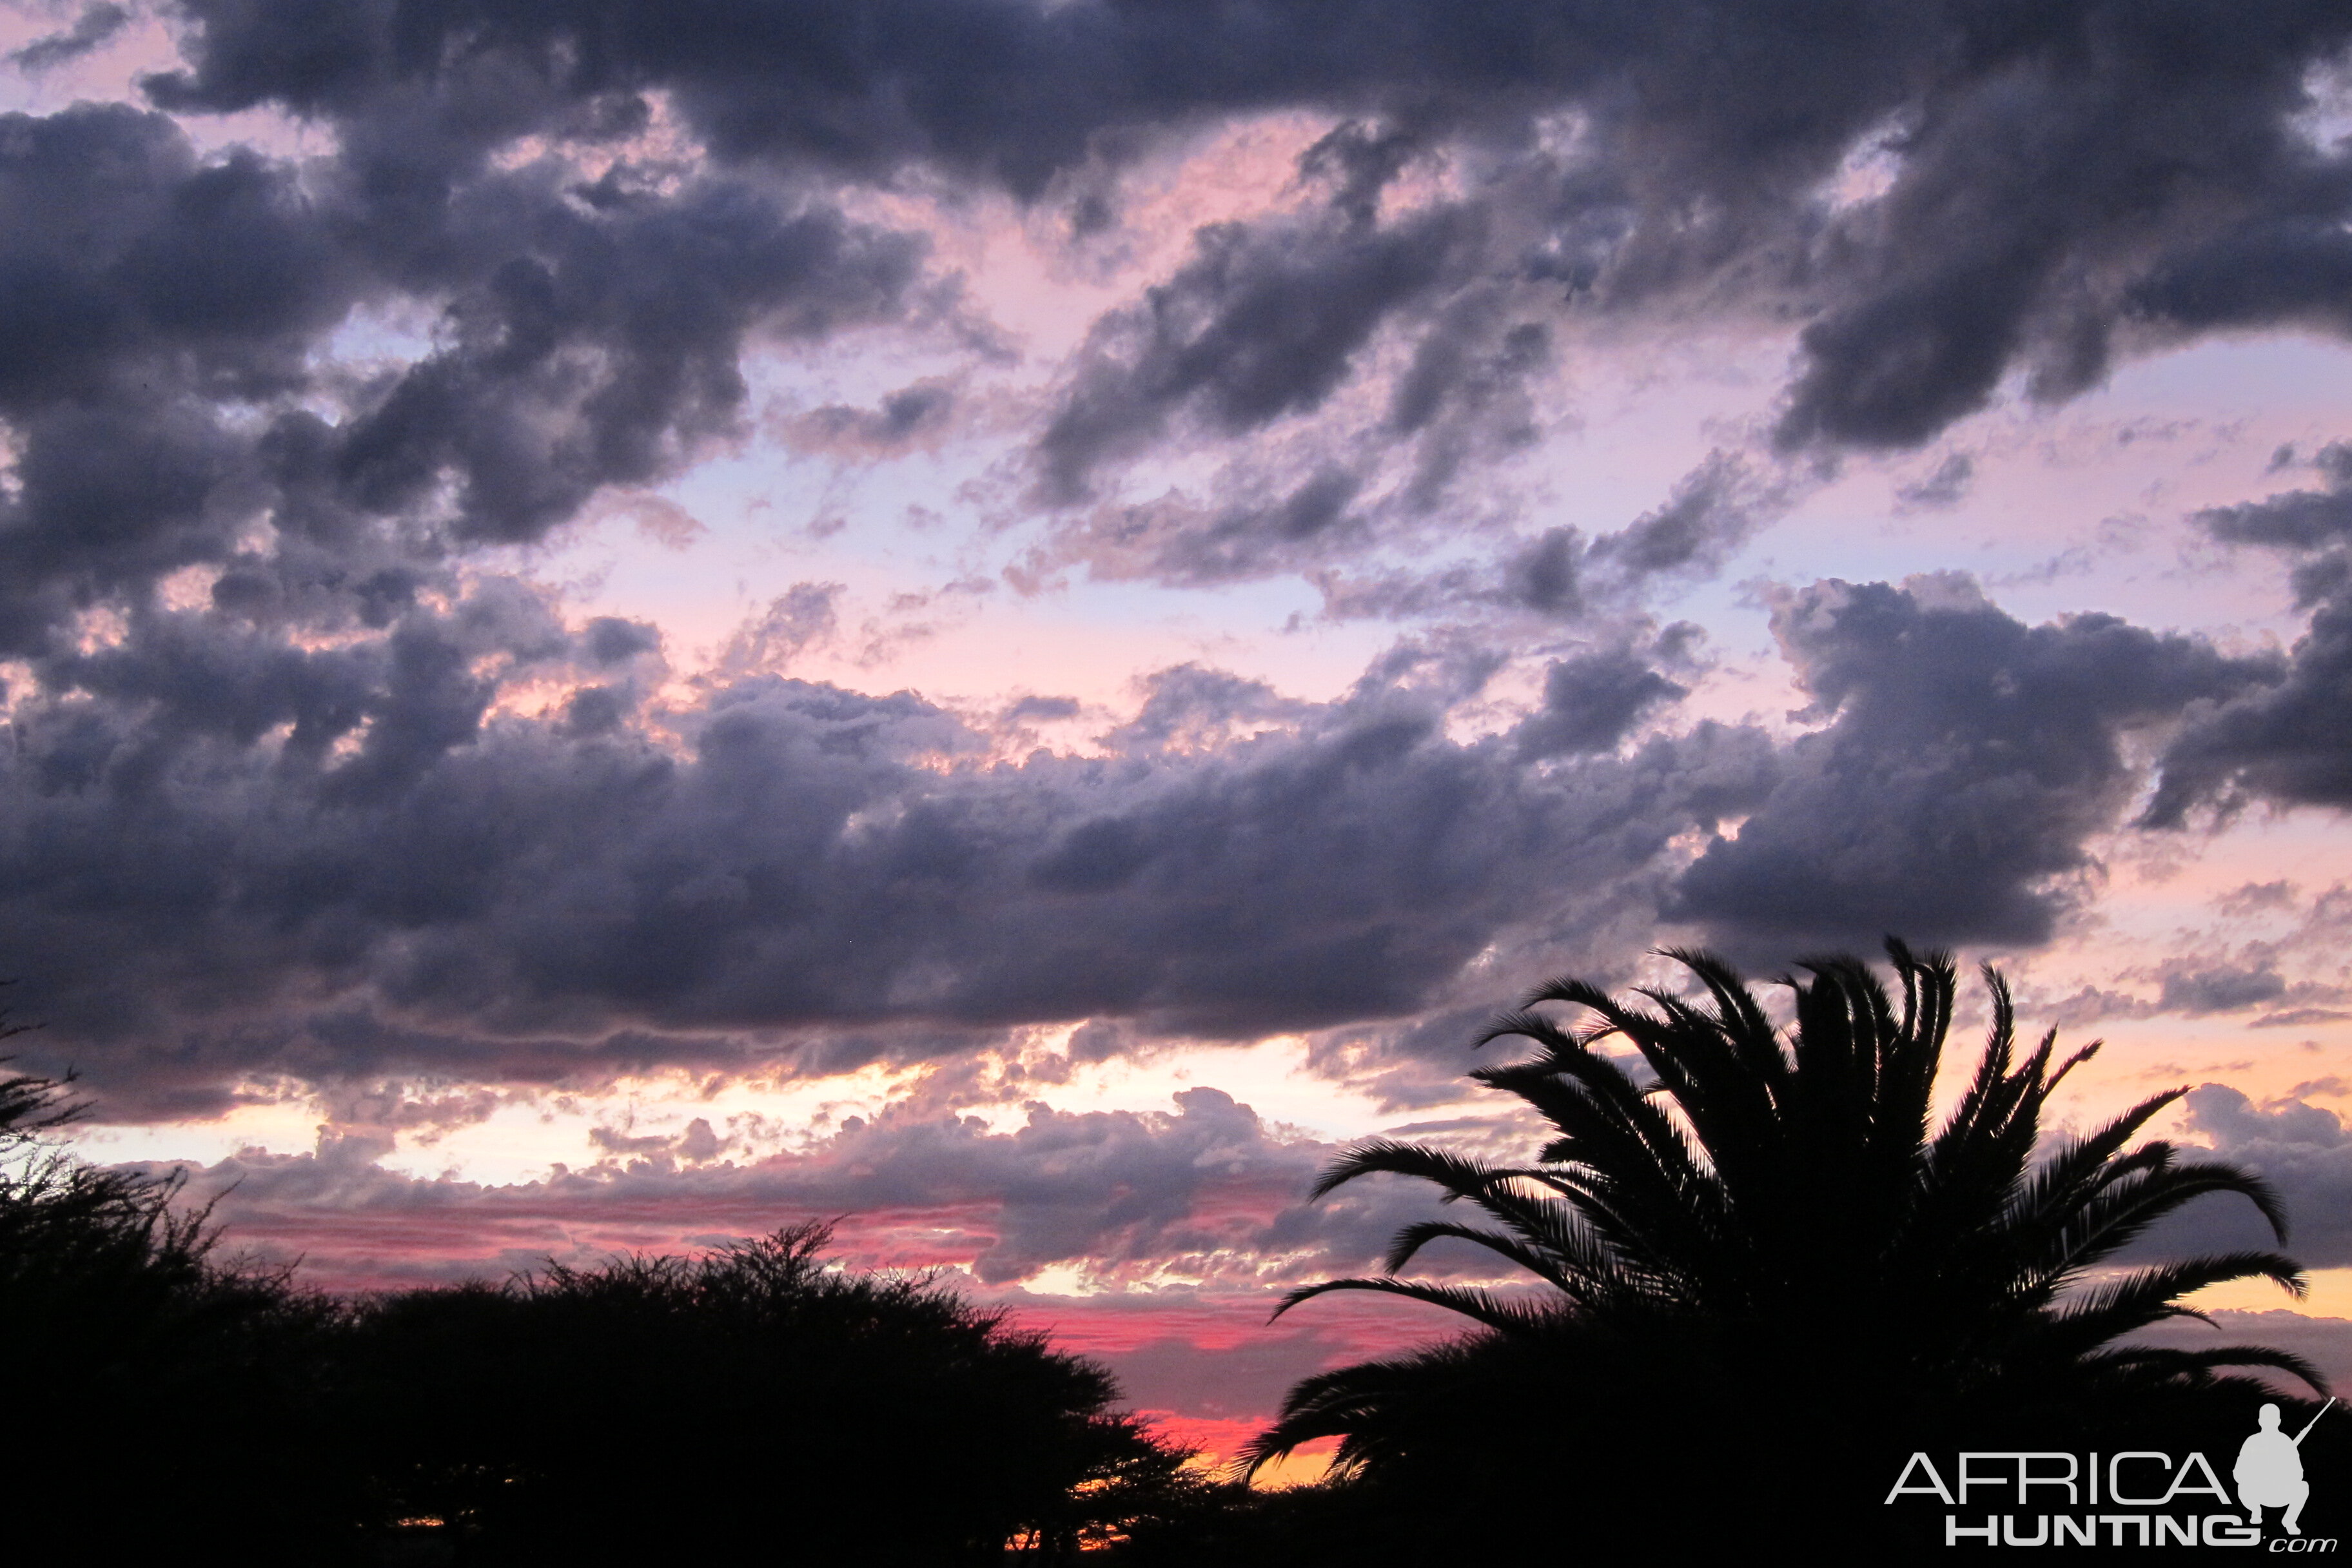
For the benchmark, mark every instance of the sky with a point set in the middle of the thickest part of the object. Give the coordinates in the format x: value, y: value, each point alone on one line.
x: 1007, y: 620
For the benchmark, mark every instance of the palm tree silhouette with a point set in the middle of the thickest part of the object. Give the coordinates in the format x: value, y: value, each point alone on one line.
x: 1765, y: 1247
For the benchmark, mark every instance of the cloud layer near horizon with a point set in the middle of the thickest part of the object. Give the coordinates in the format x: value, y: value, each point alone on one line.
x: 209, y: 895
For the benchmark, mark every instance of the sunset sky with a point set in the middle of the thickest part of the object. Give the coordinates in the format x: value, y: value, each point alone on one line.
x: 1008, y: 620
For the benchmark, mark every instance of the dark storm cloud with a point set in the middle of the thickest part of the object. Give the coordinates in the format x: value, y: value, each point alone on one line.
x: 1945, y: 193
x: 1547, y: 574
x: 2053, y: 179
x: 2301, y: 1150
x: 1559, y: 574
x: 1257, y: 325
x: 2295, y: 267
x: 908, y: 416
x: 93, y: 28
x: 590, y: 332
x: 1283, y: 522
x: 2221, y: 988
x: 2290, y: 744
x: 1712, y: 512
x: 602, y: 348
x: 1943, y: 487
x: 1000, y: 88
x: 1591, y: 701
x: 2209, y: 979
x: 225, y: 856
x: 159, y: 312
x: 1047, y: 707
x: 2290, y: 741
x: 223, y: 755
x: 1262, y: 325
x: 1966, y: 758
x: 2294, y: 520
x: 140, y: 292
x: 279, y: 790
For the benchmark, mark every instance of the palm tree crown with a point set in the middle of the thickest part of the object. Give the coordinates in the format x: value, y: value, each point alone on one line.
x: 1772, y: 1216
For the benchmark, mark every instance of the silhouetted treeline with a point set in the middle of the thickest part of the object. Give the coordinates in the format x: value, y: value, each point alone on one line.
x: 729, y: 1400
x: 1756, y: 1315
x: 755, y: 1404
x: 156, y: 1396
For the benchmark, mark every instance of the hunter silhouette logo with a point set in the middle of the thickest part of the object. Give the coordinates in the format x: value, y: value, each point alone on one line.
x: 2136, y: 1498
x: 2269, y: 1470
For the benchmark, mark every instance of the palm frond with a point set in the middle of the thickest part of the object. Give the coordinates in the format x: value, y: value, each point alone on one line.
x: 1482, y: 1307
x: 1747, y: 1194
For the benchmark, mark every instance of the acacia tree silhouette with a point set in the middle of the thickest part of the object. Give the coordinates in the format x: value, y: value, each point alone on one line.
x: 30, y: 1105
x: 750, y: 1400
x: 121, y: 1328
x: 1762, y: 1257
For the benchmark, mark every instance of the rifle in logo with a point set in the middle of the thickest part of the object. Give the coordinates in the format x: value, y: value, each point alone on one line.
x: 2269, y: 1470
